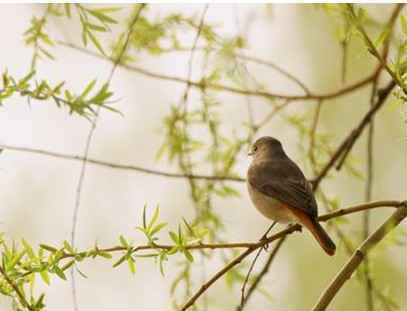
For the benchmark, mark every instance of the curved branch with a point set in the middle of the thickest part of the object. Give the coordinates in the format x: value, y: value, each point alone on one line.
x: 347, y: 144
x: 262, y: 273
x: 280, y: 235
x: 118, y: 166
x: 249, y: 246
x: 220, y: 87
x: 358, y: 256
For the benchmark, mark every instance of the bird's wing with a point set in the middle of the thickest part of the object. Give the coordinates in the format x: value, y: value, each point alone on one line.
x: 284, y: 181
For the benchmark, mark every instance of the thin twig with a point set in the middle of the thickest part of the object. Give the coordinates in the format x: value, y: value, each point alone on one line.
x: 368, y: 198
x: 246, y: 280
x: 241, y: 56
x: 253, y: 246
x: 184, y: 159
x: 344, y: 46
x: 272, y: 114
x: 249, y: 245
x: 249, y: 104
x: 347, y: 144
x: 358, y: 256
x: 313, y: 131
x: 369, y: 288
x: 276, y: 68
x: 372, y: 47
x: 382, y: 65
x: 117, y: 166
x: 215, y: 86
x: 262, y: 273
x: 35, y: 55
x: 87, y: 148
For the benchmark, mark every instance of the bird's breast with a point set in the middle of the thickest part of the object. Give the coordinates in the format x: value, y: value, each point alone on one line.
x: 270, y: 207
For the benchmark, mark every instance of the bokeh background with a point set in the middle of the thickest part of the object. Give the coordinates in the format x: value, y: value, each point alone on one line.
x: 38, y: 193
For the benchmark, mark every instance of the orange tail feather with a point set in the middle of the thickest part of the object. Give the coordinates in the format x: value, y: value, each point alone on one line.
x: 317, y: 231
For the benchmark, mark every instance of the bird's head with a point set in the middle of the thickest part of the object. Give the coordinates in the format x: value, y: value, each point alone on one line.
x: 266, y: 147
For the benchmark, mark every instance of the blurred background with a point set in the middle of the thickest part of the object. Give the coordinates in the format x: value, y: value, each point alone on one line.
x: 38, y: 193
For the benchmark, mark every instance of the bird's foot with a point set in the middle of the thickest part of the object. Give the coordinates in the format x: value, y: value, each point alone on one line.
x: 294, y: 224
x: 263, y: 239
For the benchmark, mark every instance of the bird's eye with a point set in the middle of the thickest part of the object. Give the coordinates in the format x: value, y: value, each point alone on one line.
x: 255, y: 148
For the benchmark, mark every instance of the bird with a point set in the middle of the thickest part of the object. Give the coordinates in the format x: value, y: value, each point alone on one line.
x: 280, y: 191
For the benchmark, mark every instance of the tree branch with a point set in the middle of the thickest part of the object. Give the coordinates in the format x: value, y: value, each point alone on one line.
x: 262, y: 273
x: 358, y: 256
x: 251, y: 247
x: 372, y: 48
x: 118, y: 166
x: 368, y: 198
x: 220, y: 87
x: 347, y: 144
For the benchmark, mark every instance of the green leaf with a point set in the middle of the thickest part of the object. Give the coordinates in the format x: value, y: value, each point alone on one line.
x: 68, y: 265
x: 382, y: 37
x: 157, y: 228
x: 85, y: 37
x: 120, y: 261
x: 105, y: 255
x: 28, y: 249
x: 88, y: 88
x: 124, y: 242
x: 153, y: 219
x: 81, y: 273
x: 131, y: 264
x: 16, y: 259
x: 48, y: 248
x: 191, y: 231
x: 24, y: 80
x: 172, y: 250
x: 68, y: 247
x: 161, y: 151
x: 39, y: 304
x: 108, y: 9
x: 60, y: 273
x: 96, y: 27
x: 173, y: 237
x: 144, y: 216
x: 102, y: 17
x: 188, y: 255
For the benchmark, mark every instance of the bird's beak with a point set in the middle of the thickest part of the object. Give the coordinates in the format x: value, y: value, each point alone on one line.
x: 250, y: 153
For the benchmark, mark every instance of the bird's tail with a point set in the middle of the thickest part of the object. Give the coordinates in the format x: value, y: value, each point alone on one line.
x: 320, y: 235
x: 316, y: 229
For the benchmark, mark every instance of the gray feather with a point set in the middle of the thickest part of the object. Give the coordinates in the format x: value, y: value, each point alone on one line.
x: 283, y: 180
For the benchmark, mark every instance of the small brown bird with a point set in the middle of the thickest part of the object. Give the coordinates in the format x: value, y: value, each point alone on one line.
x: 279, y: 190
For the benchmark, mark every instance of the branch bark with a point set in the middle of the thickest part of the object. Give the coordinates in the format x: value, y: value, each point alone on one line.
x: 347, y: 144
x: 253, y: 246
x: 358, y: 256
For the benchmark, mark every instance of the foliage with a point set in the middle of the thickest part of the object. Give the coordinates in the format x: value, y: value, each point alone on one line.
x: 83, y: 104
x: 195, y: 137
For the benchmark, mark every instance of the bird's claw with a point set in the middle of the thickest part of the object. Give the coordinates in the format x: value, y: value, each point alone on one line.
x: 263, y: 239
